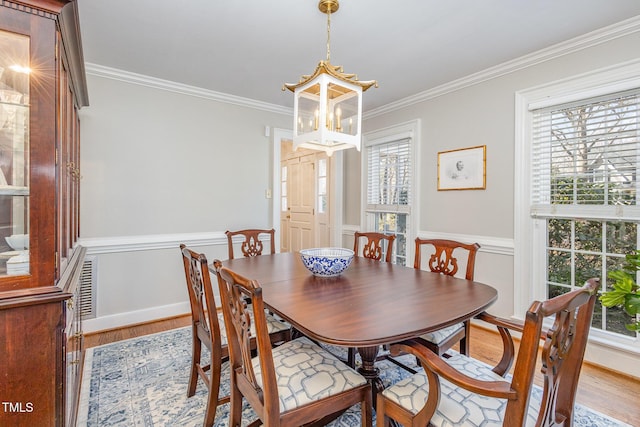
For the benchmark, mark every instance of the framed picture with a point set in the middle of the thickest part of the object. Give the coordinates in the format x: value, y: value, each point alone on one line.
x: 463, y: 169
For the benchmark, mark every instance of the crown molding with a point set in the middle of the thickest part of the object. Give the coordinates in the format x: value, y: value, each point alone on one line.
x: 155, y: 83
x: 591, y: 39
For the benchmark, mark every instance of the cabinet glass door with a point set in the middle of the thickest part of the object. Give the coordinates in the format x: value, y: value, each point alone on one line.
x: 14, y: 154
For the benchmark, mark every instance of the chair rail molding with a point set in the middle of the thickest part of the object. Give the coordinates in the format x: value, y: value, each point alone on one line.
x: 488, y: 244
x: 117, y: 244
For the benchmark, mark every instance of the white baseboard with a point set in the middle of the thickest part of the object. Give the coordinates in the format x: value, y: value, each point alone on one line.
x: 133, y: 317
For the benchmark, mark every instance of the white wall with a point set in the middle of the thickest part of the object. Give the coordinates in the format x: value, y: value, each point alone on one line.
x: 160, y: 166
x: 480, y: 110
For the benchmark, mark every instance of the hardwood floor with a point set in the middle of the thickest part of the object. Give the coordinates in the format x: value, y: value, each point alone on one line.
x: 603, y: 390
x: 134, y: 331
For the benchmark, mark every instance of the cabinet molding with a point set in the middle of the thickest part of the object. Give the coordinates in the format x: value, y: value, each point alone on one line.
x: 41, y: 335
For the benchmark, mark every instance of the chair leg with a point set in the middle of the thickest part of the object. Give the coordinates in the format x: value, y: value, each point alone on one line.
x: 464, y: 349
x: 351, y: 357
x: 366, y: 410
x: 464, y: 342
x: 296, y: 334
x: 212, y: 405
x: 212, y: 396
x: 195, y: 360
x: 235, y: 411
x: 381, y: 419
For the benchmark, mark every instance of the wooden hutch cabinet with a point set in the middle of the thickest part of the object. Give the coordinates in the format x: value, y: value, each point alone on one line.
x: 42, y: 87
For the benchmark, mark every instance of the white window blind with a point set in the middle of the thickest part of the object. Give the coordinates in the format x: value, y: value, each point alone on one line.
x: 389, y: 176
x: 585, y: 158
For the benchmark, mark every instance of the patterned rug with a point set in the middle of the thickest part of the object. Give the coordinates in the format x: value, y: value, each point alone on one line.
x: 143, y: 382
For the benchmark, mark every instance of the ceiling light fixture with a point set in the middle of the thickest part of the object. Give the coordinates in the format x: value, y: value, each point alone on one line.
x: 327, y: 108
x: 20, y: 69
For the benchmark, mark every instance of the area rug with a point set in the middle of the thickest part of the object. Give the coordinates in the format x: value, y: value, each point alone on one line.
x: 143, y: 382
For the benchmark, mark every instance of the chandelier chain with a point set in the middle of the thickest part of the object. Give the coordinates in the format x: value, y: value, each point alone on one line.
x: 329, y: 35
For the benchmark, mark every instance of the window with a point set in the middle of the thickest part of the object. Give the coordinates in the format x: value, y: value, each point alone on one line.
x: 582, y: 154
x: 584, y: 164
x: 389, y: 189
x: 284, y: 201
x: 322, y: 186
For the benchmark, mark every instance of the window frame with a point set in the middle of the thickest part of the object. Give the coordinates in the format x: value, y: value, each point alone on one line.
x: 408, y: 130
x: 529, y: 259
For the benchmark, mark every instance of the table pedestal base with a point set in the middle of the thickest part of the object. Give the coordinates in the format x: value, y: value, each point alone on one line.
x: 369, y: 371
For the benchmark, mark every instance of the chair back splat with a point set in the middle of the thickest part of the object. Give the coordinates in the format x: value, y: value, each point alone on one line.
x: 373, y: 247
x: 252, y: 244
x: 442, y: 259
x: 428, y: 397
x: 293, y: 384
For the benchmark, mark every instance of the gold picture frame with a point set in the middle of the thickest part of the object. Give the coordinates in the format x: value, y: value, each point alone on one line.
x: 462, y: 169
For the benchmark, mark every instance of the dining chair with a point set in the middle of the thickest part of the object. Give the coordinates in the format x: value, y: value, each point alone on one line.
x: 466, y: 392
x: 206, y: 323
x: 443, y: 260
x: 290, y: 385
x: 252, y: 244
x: 374, y: 246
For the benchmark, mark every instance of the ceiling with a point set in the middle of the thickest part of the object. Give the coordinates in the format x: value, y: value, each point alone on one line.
x: 249, y: 48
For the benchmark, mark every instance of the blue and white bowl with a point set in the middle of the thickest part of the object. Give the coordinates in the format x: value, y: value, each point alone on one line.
x: 326, y: 262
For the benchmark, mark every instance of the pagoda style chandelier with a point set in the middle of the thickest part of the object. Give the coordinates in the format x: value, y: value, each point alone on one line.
x: 327, y: 108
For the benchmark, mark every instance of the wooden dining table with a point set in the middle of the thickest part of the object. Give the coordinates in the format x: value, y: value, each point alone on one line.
x: 370, y: 304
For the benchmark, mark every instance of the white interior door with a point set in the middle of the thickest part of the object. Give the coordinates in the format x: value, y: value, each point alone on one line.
x: 301, y: 202
x: 305, y: 192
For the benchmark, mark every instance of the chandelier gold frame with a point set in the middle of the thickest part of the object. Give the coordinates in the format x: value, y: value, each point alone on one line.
x: 328, y: 102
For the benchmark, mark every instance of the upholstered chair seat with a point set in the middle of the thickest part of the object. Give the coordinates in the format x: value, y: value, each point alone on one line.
x: 307, y: 372
x: 457, y: 407
x: 439, y: 336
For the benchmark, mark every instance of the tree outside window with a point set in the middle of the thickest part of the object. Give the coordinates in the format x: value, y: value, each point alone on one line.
x: 586, y: 173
